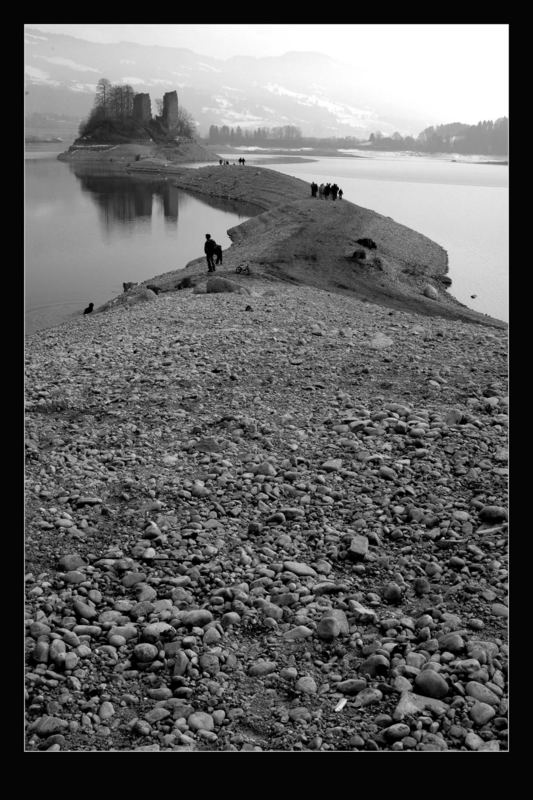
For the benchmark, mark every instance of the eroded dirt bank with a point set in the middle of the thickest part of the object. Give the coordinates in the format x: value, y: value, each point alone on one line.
x: 305, y: 240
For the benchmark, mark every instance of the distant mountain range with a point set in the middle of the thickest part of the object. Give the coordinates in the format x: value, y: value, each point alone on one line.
x: 309, y: 90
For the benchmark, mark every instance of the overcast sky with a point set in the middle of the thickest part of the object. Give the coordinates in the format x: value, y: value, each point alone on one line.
x: 455, y: 72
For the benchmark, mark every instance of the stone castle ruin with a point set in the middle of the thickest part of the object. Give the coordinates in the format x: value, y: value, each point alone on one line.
x: 142, y: 108
x: 168, y: 121
x: 170, y: 110
x: 138, y: 124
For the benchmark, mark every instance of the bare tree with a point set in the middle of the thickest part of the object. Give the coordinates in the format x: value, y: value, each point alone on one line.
x: 103, y: 96
x: 186, y: 125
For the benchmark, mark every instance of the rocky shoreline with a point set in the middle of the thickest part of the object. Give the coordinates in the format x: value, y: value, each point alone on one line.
x: 272, y: 519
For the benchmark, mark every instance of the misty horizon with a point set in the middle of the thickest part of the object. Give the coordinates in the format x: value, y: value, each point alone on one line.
x: 394, y: 93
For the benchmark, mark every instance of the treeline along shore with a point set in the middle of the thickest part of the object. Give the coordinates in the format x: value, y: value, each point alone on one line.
x: 268, y: 512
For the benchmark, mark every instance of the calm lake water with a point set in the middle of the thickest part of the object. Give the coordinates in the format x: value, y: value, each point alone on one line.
x: 86, y: 235
x: 461, y: 205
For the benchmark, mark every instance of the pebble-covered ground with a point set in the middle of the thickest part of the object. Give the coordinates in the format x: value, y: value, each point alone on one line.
x: 266, y: 522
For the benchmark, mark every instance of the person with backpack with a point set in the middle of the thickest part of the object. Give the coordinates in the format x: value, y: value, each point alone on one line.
x: 209, y: 250
x: 218, y: 253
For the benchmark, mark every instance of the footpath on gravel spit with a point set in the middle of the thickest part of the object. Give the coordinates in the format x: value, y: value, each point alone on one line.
x: 272, y: 519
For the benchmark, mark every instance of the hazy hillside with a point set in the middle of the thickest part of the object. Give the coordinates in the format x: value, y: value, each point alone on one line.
x: 62, y: 72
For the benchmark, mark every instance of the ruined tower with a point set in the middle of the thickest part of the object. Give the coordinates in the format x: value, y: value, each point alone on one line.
x: 142, y: 110
x: 170, y: 110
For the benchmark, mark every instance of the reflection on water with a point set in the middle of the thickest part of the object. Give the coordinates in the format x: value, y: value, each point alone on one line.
x: 121, y: 201
x: 85, y: 235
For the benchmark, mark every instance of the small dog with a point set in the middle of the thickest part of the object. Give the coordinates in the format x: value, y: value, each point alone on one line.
x: 89, y: 309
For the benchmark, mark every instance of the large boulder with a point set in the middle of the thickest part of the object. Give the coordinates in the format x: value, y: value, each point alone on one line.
x: 216, y: 285
x: 370, y: 243
x: 430, y: 291
x: 355, y: 255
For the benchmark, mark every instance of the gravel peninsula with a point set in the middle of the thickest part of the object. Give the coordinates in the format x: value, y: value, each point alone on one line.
x: 271, y: 518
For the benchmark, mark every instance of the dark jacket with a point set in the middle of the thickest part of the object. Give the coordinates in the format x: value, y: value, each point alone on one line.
x: 209, y: 247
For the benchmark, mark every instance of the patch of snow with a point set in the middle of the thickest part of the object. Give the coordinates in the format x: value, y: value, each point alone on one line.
x: 68, y: 62
x: 39, y: 76
x: 74, y: 86
x: 208, y: 67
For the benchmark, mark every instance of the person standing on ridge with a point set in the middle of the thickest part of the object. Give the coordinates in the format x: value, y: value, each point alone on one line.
x: 209, y: 250
x: 321, y: 191
x: 340, y: 194
x: 218, y: 253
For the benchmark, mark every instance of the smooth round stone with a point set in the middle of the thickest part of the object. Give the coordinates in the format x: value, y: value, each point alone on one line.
x: 57, y: 651
x: 299, y: 568
x: 143, y: 728
x: 84, y: 611
x: 493, y: 514
x: 71, y: 562
x: 306, y: 684
x: 41, y: 652
x: 328, y: 629
x: 430, y: 684
x: 481, y: 713
x: 145, y: 593
x: 211, y: 636
x: 451, y: 642
x: 493, y: 746
x: 197, y: 617
x: 162, y: 693
x: 115, y: 640
x: 262, y: 668
x: 289, y: 673
x: 74, y: 577
x: 300, y: 632
x: 156, y: 715
x: 154, y: 631
x: 199, y: 720
x: 473, y: 741
x: 39, y: 629
x: 47, y: 725
x: 368, y: 696
x: 230, y: 618
x: 106, y: 710
x: 351, y: 686
x: 209, y: 663
x: 499, y: 610
x: 145, y: 652
x: 482, y: 693
x: 70, y: 661
x: 393, y: 593
x: 300, y: 713
x: 421, y: 586
x: 376, y: 664
x: 395, y: 733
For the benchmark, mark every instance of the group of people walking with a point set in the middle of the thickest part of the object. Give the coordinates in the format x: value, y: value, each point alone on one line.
x: 325, y: 191
x: 227, y: 164
x: 212, y: 249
